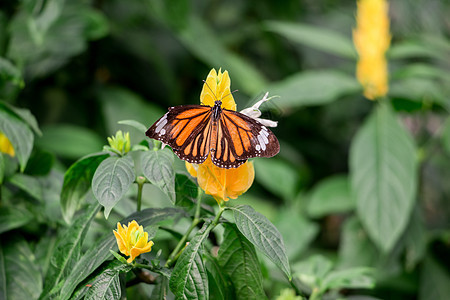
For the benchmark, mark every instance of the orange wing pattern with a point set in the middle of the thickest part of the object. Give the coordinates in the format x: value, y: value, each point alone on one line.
x: 195, y: 131
x: 239, y: 138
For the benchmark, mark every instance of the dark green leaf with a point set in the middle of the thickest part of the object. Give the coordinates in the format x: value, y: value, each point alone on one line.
x: 313, y: 88
x: 186, y: 191
x: 69, y: 141
x: 107, y: 284
x: 77, y: 182
x: 67, y: 251
x: 99, y: 252
x: 419, y: 90
x: 161, y: 288
x: 189, y: 279
x: 20, y: 277
x: 20, y: 136
x: 29, y: 184
x: 315, y: 37
x: 237, y: 258
x: 219, y: 283
x: 263, y: 234
x: 158, y: 169
x: 111, y: 181
x: 2, y: 168
x: 39, y: 163
x: 434, y: 279
x: 330, y: 196
x: 10, y: 72
x: 383, y: 172
x: 13, y: 217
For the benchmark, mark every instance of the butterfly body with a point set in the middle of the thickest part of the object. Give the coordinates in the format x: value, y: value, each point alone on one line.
x: 196, y: 131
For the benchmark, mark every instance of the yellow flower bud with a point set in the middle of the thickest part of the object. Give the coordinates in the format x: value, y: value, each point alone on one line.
x: 6, y: 146
x: 132, y: 240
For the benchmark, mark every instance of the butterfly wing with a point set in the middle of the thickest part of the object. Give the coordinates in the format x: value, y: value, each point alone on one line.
x: 187, y: 130
x: 240, y: 137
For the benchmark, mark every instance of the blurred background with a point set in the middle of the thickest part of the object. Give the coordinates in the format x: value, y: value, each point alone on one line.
x: 82, y: 66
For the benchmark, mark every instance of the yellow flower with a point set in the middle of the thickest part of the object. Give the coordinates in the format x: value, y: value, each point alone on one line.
x: 221, y: 183
x: 5, y: 145
x: 372, y: 39
x: 120, y: 142
x: 132, y: 240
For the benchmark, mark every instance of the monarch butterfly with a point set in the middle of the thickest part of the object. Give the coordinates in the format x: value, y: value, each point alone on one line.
x: 194, y: 131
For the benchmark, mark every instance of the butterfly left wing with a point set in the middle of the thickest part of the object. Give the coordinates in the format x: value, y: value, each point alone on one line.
x: 239, y: 138
x: 187, y: 130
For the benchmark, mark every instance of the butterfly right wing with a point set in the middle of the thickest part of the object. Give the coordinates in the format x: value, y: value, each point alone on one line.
x: 187, y: 130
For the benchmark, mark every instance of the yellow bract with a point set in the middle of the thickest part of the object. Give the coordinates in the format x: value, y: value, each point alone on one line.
x: 132, y: 240
x: 372, y: 39
x: 5, y: 145
x: 221, y: 183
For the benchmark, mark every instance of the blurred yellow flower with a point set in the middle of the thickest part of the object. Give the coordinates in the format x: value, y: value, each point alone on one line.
x: 221, y: 183
x: 120, y: 142
x: 372, y: 39
x: 132, y: 240
x: 5, y: 145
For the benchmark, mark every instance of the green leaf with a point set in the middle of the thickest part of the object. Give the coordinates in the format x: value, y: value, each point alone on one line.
x: 202, y: 42
x: 67, y: 251
x: 20, y: 276
x: 237, y: 258
x: 355, y: 278
x: 277, y: 176
x: 161, y: 288
x: 69, y: 141
x: 419, y: 90
x: 139, y: 126
x: 13, y: 217
x: 313, y: 270
x: 20, y: 136
x: 158, y: 168
x: 219, y: 283
x: 40, y: 163
x: 313, y: 88
x: 29, y: 184
x: 111, y: 181
x: 10, y: 72
x: 23, y: 114
x: 77, y: 182
x: 99, y: 252
x: 298, y: 240
x: 263, y: 234
x: 383, y: 173
x: 189, y: 279
x: 2, y: 168
x: 356, y: 249
x: 434, y: 279
x: 320, y: 38
x: 107, y: 284
x: 330, y: 196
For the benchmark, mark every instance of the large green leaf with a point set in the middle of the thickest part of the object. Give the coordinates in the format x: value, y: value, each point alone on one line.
x: 237, y: 258
x: 313, y: 88
x: 383, y: 173
x: 69, y: 141
x: 99, y: 252
x: 111, y: 181
x: 189, y: 279
x: 77, y: 182
x: 107, y: 284
x: 323, y: 39
x: 157, y: 167
x: 263, y: 234
x: 20, y: 277
x: 203, y: 43
x: 13, y: 217
x: 20, y: 136
x: 434, y: 279
x: 23, y: 114
x: 330, y: 196
x: 67, y: 251
x: 10, y: 72
x: 29, y: 184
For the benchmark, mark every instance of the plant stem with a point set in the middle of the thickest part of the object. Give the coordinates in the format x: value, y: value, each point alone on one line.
x: 140, y: 182
x: 182, y: 242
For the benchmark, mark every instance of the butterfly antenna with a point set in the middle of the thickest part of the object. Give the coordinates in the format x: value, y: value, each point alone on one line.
x: 210, y: 90
x: 229, y: 94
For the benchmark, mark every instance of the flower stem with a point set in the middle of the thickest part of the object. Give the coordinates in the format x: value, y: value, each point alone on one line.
x: 175, y: 253
x: 140, y: 182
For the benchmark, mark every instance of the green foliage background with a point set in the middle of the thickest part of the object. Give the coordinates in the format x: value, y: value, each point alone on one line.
x: 359, y: 191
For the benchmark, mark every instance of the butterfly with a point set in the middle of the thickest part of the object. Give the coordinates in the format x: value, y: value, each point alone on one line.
x: 195, y: 131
